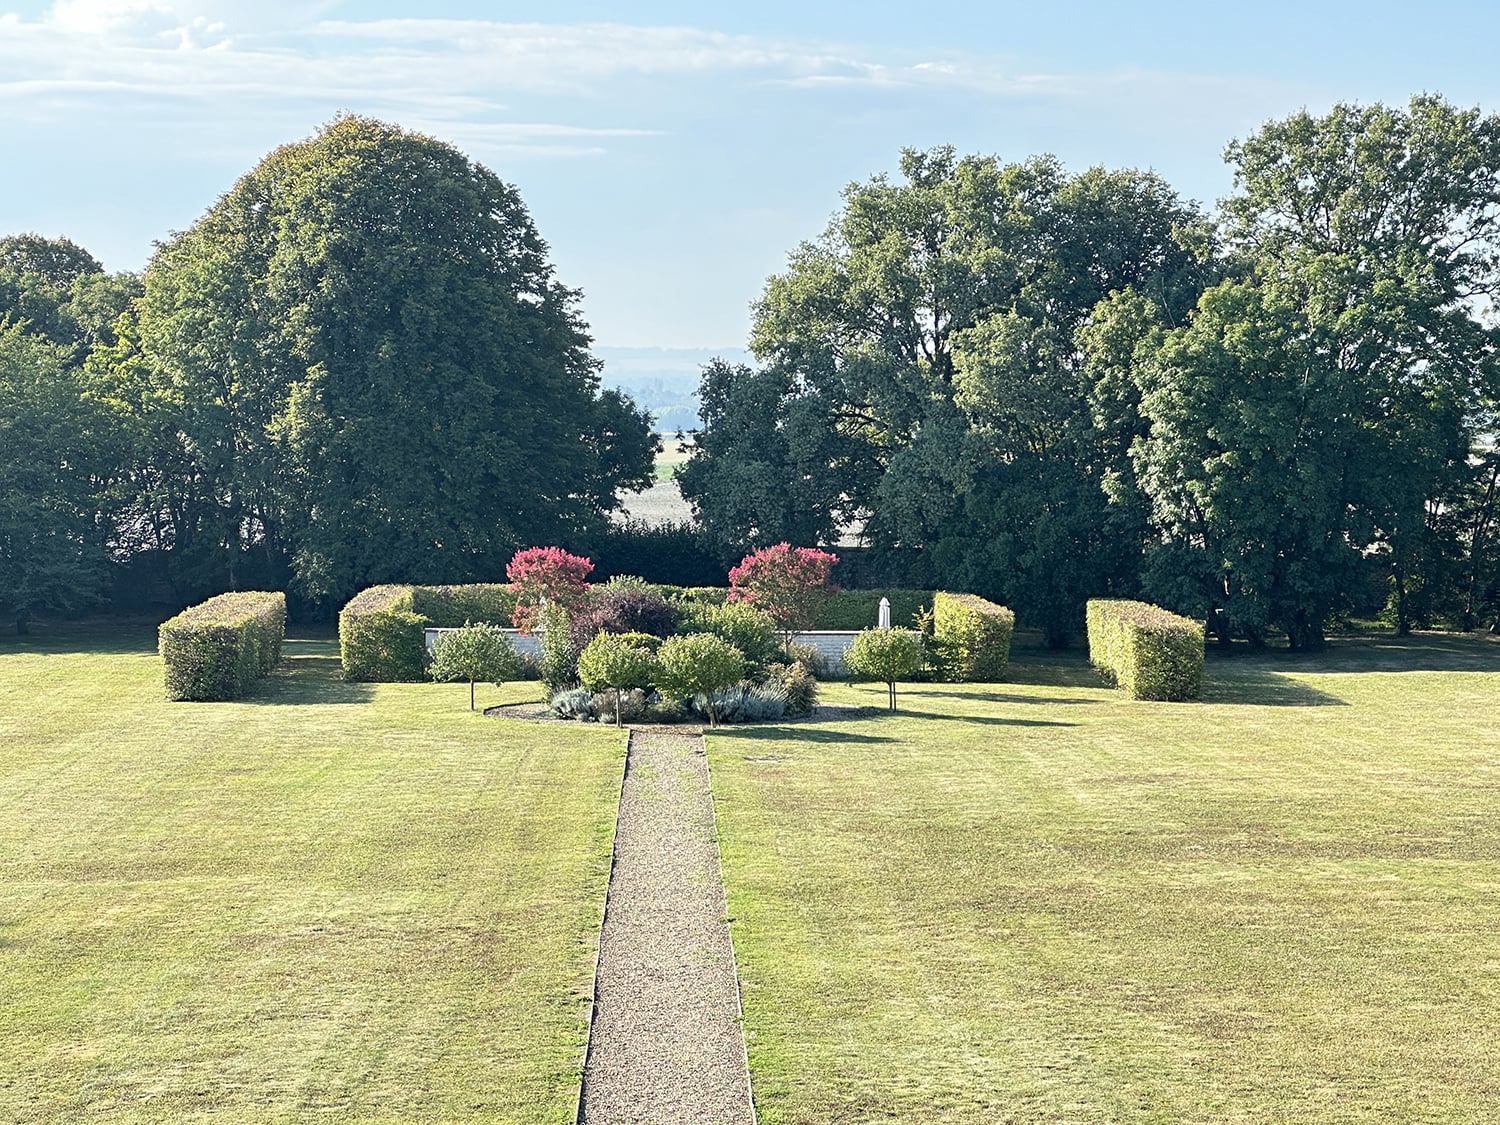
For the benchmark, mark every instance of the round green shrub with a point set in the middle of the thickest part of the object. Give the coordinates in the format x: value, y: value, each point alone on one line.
x: 886, y: 655
x: 698, y: 664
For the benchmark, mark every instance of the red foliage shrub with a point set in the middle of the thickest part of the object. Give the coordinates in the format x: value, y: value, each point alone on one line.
x: 546, y: 572
x: 789, y: 584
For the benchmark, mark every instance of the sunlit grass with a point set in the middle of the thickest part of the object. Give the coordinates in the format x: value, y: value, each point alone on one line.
x: 330, y: 901
x: 1040, y: 902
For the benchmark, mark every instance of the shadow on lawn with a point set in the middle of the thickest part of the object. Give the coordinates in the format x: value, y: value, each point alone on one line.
x: 979, y: 720
x: 1006, y: 697
x: 308, y: 674
x: 1260, y: 688
x: 800, y: 734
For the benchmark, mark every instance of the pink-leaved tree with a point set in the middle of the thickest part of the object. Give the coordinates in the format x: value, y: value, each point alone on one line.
x: 788, y: 584
x: 546, y: 572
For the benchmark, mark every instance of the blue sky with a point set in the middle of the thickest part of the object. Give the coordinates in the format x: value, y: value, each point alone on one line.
x: 672, y: 154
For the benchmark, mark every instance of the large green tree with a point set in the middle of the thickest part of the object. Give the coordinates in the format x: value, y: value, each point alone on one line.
x: 55, y: 289
x: 923, y: 380
x: 52, y: 539
x: 1321, y: 407
x: 372, y: 371
x: 59, y: 456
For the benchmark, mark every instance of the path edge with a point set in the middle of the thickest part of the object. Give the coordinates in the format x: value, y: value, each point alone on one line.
x: 734, y: 961
x: 609, y: 878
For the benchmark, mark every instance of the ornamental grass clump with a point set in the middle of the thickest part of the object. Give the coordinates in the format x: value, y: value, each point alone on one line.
x: 744, y: 702
x: 213, y: 651
x: 474, y: 653
x: 1147, y: 651
x: 886, y: 655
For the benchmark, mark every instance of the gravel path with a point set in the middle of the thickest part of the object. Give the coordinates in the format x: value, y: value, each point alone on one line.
x: 666, y: 1044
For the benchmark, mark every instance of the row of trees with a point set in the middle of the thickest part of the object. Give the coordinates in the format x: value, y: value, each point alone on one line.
x: 1046, y: 388
x: 356, y: 367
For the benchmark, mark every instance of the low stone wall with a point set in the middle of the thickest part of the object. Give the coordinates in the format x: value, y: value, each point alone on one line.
x: 831, y: 645
x: 525, y: 645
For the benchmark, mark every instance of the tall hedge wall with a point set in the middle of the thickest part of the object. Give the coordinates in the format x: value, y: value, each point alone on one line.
x: 452, y: 607
x: 380, y: 636
x: 972, y: 637
x: 216, y: 649
x: 1149, y: 652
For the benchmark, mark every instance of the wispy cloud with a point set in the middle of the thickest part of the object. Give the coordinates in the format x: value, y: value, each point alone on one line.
x: 187, y: 50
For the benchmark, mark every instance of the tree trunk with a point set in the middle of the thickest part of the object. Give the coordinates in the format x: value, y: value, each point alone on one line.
x: 471, y: 695
x: 23, y: 623
x: 1403, y: 619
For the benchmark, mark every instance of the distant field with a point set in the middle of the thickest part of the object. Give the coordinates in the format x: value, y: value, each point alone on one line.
x: 1039, y: 902
x: 662, y: 502
x: 673, y: 454
x: 332, y: 901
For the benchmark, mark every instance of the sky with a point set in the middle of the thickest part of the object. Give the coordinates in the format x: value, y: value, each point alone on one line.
x: 674, y: 154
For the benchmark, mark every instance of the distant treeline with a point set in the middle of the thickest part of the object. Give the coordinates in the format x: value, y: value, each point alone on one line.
x: 358, y: 368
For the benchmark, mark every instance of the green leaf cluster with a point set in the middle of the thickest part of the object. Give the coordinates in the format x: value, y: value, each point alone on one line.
x: 887, y: 655
x: 474, y: 652
x: 698, y: 664
x: 359, y: 364
x: 381, y: 636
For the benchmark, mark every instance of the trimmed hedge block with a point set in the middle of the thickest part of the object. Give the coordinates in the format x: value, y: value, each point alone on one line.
x: 1149, y: 652
x: 380, y: 636
x: 972, y: 636
x: 216, y: 649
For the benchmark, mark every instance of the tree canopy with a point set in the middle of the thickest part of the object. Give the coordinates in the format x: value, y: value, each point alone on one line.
x: 1044, y: 388
x: 1321, y: 408
x: 359, y: 366
x: 922, y: 379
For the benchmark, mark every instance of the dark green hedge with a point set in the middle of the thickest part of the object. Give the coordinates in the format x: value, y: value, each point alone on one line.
x: 1147, y: 651
x: 380, y: 636
x: 972, y: 637
x: 860, y: 609
x: 452, y: 607
x: 216, y: 649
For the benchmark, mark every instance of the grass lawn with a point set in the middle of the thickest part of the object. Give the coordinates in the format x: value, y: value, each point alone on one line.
x: 1040, y: 902
x: 331, y: 901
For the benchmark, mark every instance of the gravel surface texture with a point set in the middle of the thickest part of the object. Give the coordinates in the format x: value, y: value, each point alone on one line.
x: 666, y: 1044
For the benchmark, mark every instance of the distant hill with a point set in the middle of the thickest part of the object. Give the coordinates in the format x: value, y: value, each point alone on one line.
x: 664, y: 380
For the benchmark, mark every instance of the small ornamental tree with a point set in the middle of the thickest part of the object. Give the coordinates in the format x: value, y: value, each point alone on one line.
x: 475, y: 652
x: 789, y: 584
x: 617, y: 660
x: 886, y: 655
x: 698, y: 664
x: 546, y: 572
